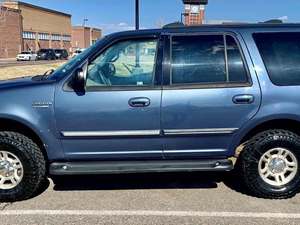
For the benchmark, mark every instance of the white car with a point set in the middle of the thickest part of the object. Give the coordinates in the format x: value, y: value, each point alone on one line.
x: 77, y: 52
x: 26, y: 56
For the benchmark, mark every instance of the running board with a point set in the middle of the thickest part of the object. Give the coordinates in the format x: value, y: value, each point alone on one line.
x: 115, y: 167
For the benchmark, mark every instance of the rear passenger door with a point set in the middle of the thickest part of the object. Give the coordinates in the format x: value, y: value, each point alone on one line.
x: 209, y: 93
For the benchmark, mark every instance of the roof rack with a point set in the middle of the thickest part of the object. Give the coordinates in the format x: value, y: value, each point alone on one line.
x: 173, y: 25
x: 273, y: 21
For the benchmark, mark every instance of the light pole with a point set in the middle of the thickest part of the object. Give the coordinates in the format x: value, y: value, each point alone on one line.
x: 137, y: 14
x: 183, y: 15
x: 137, y: 27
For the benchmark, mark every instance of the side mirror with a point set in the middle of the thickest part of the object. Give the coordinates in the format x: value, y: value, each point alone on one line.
x: 79, y: 80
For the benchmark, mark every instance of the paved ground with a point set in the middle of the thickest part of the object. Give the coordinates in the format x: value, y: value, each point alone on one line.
x: 187, y: 198
x: 13, y: 62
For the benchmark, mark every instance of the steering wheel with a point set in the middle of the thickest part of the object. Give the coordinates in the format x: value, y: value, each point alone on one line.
x: 111, y: 69
x: 102, y: 78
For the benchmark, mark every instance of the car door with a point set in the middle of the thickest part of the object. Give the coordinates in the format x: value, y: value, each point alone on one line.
x: 118, y: 116
x: 209, y: 93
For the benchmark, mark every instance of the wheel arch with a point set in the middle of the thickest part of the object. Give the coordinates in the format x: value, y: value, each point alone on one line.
x: 286, y: 124
x: 8, y: 124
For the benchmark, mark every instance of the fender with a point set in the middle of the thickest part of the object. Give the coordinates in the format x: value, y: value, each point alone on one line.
x: 51, y: 144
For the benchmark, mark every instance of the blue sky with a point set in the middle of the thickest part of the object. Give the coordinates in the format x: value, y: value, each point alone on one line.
x: 115, y: 15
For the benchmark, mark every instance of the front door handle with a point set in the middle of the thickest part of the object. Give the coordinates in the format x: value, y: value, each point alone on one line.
x: 139, y: 102
x: 243, y: 99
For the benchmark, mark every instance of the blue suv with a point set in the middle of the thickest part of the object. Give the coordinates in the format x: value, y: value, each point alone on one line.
x: 208, y: 98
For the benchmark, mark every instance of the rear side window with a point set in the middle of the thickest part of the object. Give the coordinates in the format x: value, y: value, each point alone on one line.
x: 207, y: 59
x: 281, y: 55
x: 236, y: 68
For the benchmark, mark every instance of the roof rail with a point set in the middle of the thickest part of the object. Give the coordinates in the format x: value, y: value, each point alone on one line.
x: 273, y: 21
x: 173, y: 25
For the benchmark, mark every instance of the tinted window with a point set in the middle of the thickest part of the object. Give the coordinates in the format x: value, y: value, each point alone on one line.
x: 123, y: 64
x: 198, y: 59
x: 281, y: 55
x: 203, y: 59
x: 236, y: 68
x: 43, y: 50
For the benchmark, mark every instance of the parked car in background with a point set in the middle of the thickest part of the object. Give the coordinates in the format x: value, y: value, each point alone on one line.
x: 77, y: 52
x: 61, y: 53
x: 177, y: 99
x: 26, y: 56
x: 46, y: 54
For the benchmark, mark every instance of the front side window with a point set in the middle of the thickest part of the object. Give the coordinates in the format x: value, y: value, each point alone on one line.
x: 206, y: 59
x: 126, y: 63
x: 281, y: 55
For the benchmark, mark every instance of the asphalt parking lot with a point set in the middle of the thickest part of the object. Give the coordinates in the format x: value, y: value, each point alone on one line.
x: 185, y: 198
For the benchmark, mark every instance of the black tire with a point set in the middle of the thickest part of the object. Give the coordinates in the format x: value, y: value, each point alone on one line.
x: 33, y: 162
x: 248, y: 162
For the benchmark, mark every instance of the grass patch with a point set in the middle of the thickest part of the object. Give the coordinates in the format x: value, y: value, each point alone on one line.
x: 26, y: 70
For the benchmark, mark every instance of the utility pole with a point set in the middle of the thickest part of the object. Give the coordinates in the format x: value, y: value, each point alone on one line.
x: 137, y: 14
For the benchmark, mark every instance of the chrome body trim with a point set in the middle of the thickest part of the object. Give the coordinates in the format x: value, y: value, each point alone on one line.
x: 150, y: 152
x: 194, y: 150
x: 147, y: 132
x: 110, y: 133
x: 200, y: 131
x: 119, y: 152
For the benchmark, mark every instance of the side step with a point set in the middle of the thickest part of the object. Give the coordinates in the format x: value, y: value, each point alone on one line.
x: 115, y: 167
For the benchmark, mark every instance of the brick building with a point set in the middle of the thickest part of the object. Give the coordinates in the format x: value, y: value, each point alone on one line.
x: 194, y: 11
x: 84, y: 37
x: 34, y: 27
x: 10, y: 26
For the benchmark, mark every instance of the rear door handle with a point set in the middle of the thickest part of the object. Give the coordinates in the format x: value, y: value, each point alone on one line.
x: 243, y: 99
x: 139, y: 102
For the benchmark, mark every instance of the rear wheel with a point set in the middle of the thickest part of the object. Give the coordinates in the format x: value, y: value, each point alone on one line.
x: 269, y: 164
x: 22, y: 167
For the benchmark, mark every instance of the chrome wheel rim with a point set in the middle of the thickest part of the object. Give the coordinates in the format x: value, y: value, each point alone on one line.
x: 11, y: 170
x: 278, y: 166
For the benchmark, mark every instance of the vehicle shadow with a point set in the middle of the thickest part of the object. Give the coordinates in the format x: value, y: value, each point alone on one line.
x: 194, y: 180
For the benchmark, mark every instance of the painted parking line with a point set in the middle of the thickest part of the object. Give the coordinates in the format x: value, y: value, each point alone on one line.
x: 150, y: 213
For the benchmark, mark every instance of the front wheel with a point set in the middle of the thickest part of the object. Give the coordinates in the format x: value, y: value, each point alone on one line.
x: 22, y: 167
x: 269, y: 164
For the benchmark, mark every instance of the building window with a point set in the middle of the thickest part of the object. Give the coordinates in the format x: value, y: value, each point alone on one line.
x: 66, y: 38
x: 44, y: 36
x: 55, y: 37
x: 29, y: 35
